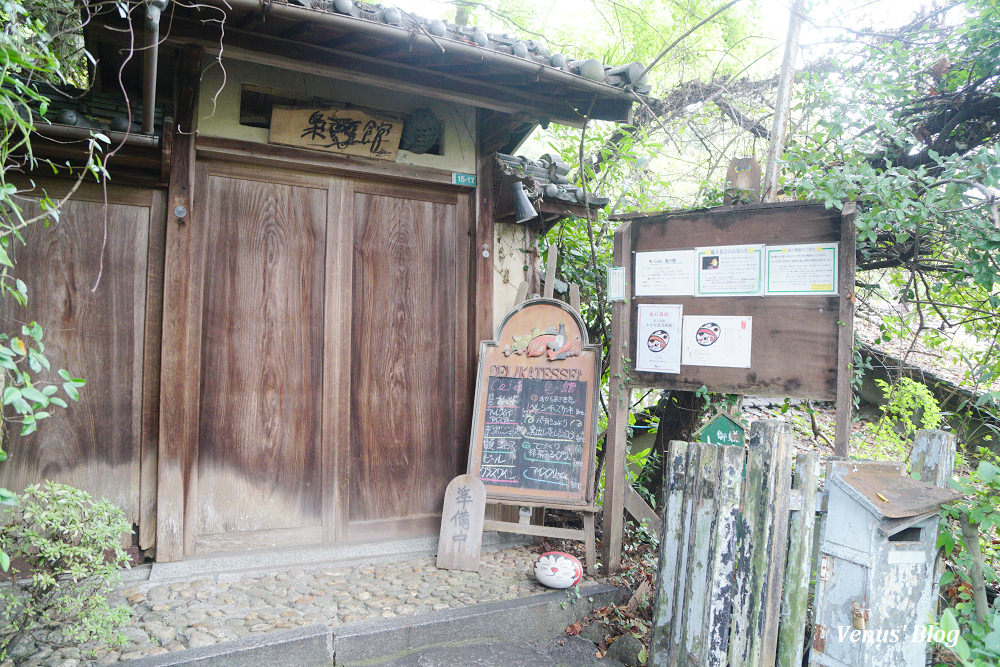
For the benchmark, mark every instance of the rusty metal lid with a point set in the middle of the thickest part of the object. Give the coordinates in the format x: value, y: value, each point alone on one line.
x: 893, y: 496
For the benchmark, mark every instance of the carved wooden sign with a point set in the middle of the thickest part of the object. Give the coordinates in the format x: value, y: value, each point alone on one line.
x: 534, y: 420
x: 461, y: 534
x: 342, y: 131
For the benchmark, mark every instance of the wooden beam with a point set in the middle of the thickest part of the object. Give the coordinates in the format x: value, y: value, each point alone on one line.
x: 640, y: 509
x: 618, y: 398
x: 529, y: 529
x: 181, y: 316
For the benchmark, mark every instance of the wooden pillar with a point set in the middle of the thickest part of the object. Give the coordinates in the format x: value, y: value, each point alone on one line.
x: 483, y: 244
x: 181, y: 323
x: 845, y: 337
x: 618, y: 407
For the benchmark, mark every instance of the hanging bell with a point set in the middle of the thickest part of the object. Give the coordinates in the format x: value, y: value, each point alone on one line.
x: 523, y: 210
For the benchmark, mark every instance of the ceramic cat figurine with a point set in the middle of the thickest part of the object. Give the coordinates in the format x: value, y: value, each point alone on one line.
x: 557, y: 569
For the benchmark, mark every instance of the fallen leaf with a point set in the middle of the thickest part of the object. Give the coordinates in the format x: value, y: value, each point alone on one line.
x: 574, y: 629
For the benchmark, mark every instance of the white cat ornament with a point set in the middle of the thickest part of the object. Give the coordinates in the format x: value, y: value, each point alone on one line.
x: 557, y: 569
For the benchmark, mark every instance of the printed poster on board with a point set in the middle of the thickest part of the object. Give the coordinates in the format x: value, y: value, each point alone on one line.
x: 806, y: 268
x: 733, y: 270
x: 664, y: 273
x: 658, y: 347
x: 716, y: 340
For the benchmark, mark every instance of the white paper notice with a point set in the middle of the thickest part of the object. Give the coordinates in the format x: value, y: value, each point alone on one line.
x: 664, y: 273
x: 802, y: 269
x: 616, y: 283
x: 733, y: 270
x: 658, y: 347
x: 716, y: 340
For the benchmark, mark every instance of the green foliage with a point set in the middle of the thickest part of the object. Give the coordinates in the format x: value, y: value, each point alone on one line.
x: 979, y: 644
x: 908, y: 406
x: 72, y: 547
x: 903, y: 123
x: 38, y: 42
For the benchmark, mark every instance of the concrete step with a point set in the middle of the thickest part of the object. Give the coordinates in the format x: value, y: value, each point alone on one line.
x: 397, y: 640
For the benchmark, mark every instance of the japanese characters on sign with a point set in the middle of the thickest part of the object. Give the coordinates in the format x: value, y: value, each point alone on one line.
x: 462, y: 524
x: 721, y: 429
x: 658, y: 348
x: 719, y: 271
x: 344, y: 131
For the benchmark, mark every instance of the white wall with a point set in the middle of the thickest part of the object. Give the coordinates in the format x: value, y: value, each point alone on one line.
x: 221, y: 118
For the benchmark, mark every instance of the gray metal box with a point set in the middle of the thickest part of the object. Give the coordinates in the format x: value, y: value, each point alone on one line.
x: 876, y: 569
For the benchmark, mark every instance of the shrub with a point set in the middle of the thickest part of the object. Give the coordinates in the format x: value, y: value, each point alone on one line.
x: 72, y: 548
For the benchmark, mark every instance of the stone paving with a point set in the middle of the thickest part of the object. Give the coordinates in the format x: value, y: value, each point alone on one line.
x: 173, y: 616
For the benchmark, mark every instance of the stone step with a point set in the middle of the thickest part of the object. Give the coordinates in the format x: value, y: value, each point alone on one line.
x: 380, y: 641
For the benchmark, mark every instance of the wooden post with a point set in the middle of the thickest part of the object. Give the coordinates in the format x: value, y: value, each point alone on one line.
x: 933, y: 458
x: 181, y: 324
x: 845, y: 337
x: 695, y: 579
x: 798, y: 574
x: 550, y: 271
x: 522, y: 293
x: 754, y: 635
x: 482, y: 295
x: 665, y: 609
x: 618, y: 393
x: 782, y: 105
x: 574, y: 297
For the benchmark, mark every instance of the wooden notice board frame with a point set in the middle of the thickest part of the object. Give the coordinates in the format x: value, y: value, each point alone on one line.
x: 517, y: 353
x: 801, y: 346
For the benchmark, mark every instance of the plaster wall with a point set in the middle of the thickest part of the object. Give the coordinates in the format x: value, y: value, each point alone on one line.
x: 219, y: 108
x: 509, y: 259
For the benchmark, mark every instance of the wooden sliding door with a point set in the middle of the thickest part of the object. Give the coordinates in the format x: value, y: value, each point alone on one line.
x: 260, y: 450
x: 329, y: 389
x: 410, y: 356
x: 94, y: 279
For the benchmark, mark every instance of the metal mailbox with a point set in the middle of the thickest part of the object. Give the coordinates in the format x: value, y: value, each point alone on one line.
x: 876, y: 568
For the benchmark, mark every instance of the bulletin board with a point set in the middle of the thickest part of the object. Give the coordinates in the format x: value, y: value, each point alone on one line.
x: 754, y: 299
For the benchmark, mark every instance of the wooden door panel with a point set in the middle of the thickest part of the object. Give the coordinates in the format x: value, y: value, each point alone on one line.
x: 409, y: 349
x: 97, y: 335
x: 259, y: 446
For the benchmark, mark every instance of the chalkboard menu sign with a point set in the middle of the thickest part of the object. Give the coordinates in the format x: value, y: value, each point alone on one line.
x: 533, y: 434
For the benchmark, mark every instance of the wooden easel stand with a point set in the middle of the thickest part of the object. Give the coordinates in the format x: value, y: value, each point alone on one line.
x: 525, y: 527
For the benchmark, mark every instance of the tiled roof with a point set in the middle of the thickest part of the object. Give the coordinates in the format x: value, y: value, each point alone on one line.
x: 621, y: 76
x: 547, y: 179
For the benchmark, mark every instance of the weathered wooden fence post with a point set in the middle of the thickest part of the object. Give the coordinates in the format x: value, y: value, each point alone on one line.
x: 933, y: 458
x: 701, y: 494
x: 753, y: 638
x: 798, y: 573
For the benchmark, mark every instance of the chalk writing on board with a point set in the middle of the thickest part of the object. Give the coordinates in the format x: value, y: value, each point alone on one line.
x: 533, y: 435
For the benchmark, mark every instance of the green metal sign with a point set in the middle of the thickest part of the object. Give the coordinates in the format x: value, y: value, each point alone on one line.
x: 721, y: 429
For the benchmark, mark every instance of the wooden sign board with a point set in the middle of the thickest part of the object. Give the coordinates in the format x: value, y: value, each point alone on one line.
x: 534, y: 418
x: 462, y: 524
x: 342, y: 131
x: 721, y: 429
x: 795, y: 342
